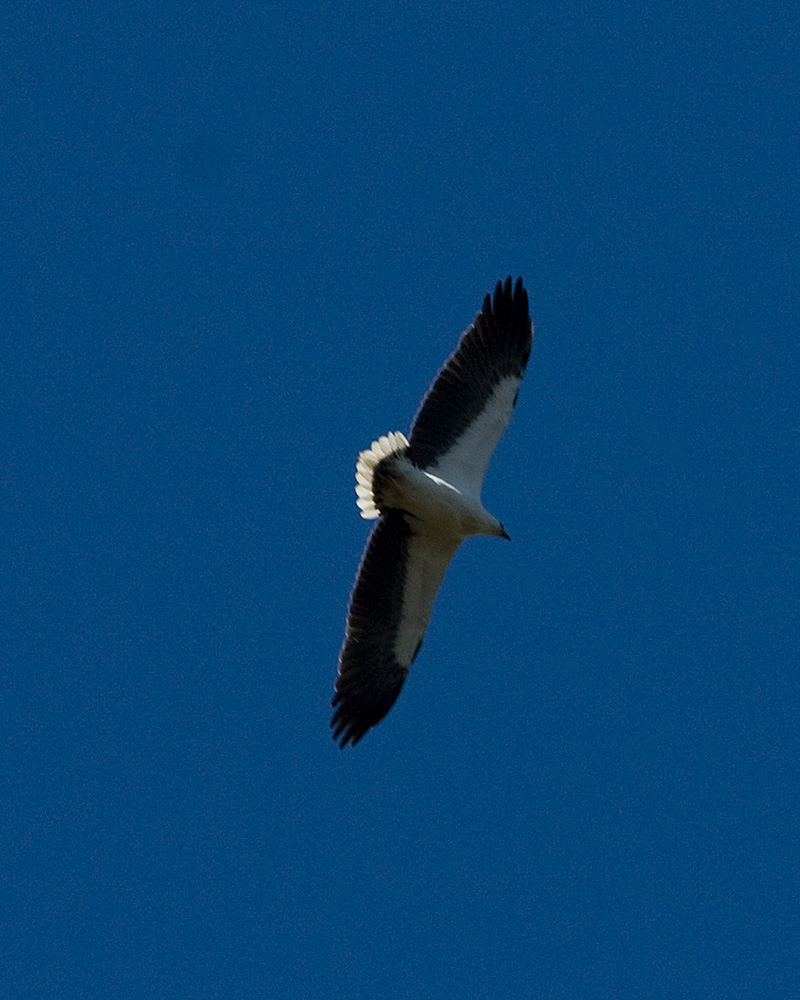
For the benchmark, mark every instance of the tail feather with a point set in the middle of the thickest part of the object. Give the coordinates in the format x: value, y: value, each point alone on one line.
x: 387, y: 445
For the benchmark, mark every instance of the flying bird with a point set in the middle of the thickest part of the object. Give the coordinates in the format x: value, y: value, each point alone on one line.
x: 425, y: 492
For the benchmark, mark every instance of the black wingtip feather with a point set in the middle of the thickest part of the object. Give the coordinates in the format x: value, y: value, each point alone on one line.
x: 356, y: 713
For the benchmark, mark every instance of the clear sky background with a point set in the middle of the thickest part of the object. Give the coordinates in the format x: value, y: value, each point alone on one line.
x: 238, y: 243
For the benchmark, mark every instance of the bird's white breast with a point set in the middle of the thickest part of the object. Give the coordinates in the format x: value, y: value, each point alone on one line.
x: 440, y: 506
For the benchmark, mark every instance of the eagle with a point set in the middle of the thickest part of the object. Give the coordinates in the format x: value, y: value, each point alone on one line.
x: 425, y: 492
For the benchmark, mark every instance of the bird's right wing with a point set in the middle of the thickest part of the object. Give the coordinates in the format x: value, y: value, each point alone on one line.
x: 472, y: 398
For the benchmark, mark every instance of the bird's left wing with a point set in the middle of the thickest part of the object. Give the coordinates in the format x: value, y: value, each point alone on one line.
x: 472, y: 398
x: 390, y: 608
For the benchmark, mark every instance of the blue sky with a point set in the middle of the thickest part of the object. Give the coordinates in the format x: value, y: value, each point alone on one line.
x: 239, y: 245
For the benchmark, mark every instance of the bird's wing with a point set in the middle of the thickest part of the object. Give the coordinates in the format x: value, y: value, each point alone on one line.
x: 472, y: 398
x: 389, y: 613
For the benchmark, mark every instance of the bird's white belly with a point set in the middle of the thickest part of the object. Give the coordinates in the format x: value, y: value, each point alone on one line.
x: 439, y: 505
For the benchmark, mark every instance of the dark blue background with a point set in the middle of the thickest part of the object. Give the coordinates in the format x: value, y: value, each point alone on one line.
x: 239, y: 243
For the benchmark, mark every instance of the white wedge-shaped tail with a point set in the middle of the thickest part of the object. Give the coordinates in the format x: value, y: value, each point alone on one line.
x: 365, y: 469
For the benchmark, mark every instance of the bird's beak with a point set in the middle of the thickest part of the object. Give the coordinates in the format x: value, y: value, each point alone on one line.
x: 505, y: 534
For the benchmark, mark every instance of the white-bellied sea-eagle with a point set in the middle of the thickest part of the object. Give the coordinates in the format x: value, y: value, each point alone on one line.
x: 426, y: 494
